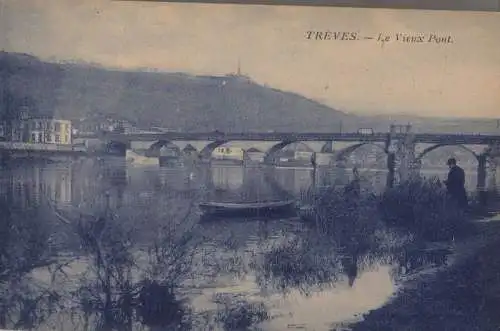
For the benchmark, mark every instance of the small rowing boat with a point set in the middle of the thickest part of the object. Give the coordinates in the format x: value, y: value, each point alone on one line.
x: 246, y: 208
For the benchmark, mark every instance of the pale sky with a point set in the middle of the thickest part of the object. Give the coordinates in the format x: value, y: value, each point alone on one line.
x: 459, y: 79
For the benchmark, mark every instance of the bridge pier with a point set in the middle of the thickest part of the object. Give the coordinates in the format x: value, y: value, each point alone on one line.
x: 407, y: 156
x: 401, y: 161
x: 327, y: 147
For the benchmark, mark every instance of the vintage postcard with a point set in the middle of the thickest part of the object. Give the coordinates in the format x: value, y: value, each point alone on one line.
x: 196, y: 166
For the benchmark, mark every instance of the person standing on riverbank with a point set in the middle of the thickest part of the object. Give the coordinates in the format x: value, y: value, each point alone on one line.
x: 455, y: 183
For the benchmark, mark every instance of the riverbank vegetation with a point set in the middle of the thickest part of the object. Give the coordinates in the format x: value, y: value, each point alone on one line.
x: 26, y: 243
x: 361, y: 227
x: 131, y: 281
x: 418, y: 207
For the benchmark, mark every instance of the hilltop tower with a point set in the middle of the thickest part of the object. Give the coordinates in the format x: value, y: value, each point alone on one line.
x: 238, y: 71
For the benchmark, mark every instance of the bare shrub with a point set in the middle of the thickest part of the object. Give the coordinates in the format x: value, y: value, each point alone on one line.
x: 127, y: 280
x: 107, y: 287
x: 25, y: 245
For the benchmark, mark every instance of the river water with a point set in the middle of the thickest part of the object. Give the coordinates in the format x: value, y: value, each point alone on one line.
x: 316, y: 291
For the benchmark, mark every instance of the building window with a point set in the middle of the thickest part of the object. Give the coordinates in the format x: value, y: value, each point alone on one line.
x: 57, y: 127
x: 33, y: 137
x: 40, y: 137
x: 58, y: 139
x: 47, y: 137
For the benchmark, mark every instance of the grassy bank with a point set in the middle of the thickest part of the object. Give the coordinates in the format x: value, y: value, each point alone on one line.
x: 464, y: 297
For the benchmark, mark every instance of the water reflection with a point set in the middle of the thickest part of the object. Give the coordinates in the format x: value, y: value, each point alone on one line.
x: 153, y: 243
x: 342, y: 303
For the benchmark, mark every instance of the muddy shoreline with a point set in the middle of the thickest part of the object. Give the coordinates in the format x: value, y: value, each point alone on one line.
x: 463, y: 296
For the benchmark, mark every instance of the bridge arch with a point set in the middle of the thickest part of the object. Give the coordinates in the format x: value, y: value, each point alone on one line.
x: 431, y: 148
x: 269, y: 156
x: 344, y: 153
x: 206, y: 152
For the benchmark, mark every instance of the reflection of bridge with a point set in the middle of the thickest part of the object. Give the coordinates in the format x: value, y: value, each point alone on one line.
x: 216, y: 182
x: 399, y: 144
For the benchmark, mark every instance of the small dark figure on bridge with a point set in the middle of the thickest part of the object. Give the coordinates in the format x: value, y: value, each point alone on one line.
x: 455, y: 183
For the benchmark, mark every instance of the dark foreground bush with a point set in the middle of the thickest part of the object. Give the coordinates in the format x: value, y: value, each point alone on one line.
x: 422, y: 207
x: 157, y: 305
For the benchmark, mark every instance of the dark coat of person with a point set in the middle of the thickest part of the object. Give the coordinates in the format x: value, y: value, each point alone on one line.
x: 455, y: 185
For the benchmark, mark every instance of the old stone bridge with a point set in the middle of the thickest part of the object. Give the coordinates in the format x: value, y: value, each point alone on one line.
x: 399, y: 144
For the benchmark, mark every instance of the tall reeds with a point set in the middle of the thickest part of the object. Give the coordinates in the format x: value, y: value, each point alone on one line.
x: 422, y: 207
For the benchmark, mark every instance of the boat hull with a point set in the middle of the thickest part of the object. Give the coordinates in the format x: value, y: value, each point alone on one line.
x: 246, y: 210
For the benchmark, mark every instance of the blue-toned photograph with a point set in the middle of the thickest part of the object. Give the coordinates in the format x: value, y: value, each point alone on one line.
x: 194, y: 166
